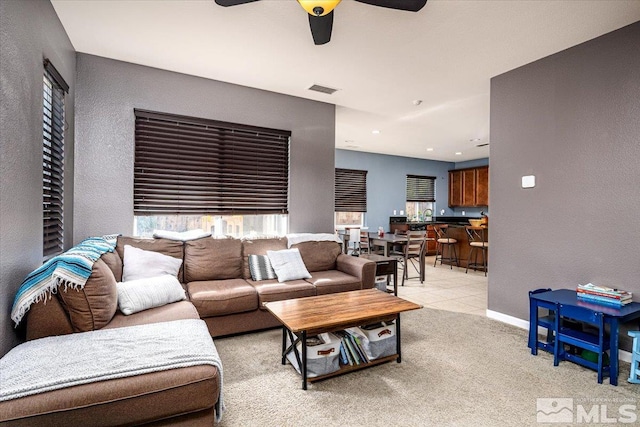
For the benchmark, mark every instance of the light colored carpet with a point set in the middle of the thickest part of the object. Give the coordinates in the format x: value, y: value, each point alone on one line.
x: 457, y: 370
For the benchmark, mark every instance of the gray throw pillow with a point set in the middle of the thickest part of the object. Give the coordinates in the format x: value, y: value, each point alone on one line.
x: 288, y: 265
x: 260, y: 268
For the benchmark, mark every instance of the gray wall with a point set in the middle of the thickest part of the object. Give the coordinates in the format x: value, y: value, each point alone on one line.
x: 109, y: 90
x: 387, y: 182
x: 573, y: 121
x: 29, y: 32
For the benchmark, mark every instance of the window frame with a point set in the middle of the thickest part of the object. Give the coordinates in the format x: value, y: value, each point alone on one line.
x: 350, y: 190
x: 53, y: 160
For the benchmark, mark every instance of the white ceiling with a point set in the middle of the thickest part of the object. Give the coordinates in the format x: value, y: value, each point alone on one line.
x: 381, y: 60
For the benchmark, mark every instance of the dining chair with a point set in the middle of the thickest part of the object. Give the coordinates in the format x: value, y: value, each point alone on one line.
x: 365, y: 243
x: 445, y: 244
x: 596, y: 343
x: 413, y: 250
x: 546, y: 321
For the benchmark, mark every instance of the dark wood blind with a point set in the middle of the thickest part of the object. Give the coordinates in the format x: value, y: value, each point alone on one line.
x: 350, y: 190
x: 186, y: 165
x: 421, y: 188
x: 54, y: 88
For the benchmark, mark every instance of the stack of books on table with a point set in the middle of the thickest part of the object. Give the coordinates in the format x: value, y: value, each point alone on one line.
x: 603, y: 295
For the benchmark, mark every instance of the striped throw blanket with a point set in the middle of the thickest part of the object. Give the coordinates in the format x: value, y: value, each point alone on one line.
x: 70, y: 269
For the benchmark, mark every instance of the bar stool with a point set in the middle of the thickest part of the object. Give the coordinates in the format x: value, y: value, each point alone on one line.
x: 634, y: 374
x: 478, y: 243
x: 442, y: 242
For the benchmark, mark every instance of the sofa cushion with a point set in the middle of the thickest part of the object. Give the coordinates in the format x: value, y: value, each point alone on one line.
x: 212, y: 259
x: 137, y: 400
x: 166, y: 313
x: 142, y: 294
x: 259, y: 247
x: 328, y: 282
x: 114, y: 262
x: 172, y: 248
x: 220, y: 297
x: 141, y: 264
x: 272, y: 290
x: 93, y: 306
x: 319, y: 256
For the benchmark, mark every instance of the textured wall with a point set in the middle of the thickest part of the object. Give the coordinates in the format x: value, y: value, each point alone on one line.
x: 109, y: 90
x: 387, y: 181
x: 29, y: 32
x: 573, y: 121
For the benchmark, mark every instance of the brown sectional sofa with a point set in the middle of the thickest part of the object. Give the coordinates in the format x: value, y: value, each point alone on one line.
x: 216, y: 276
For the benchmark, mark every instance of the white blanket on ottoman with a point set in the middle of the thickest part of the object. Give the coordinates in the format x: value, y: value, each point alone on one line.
x: 64, y: 361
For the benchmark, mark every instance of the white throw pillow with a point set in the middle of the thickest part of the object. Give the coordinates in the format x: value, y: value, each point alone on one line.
x: 288, y: 265
x: 140, y: 264
x: 142, y: 294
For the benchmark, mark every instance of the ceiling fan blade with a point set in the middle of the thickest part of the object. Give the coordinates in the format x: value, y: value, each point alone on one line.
x: 321, y: 27
x: 226, y: 3
x: 408, y: 5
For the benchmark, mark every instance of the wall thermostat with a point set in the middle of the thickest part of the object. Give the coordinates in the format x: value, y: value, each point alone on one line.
x: 528, y: 181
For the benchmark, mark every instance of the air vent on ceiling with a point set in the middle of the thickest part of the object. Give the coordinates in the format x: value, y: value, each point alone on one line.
x: 323, y: 89
x: 482, y: 145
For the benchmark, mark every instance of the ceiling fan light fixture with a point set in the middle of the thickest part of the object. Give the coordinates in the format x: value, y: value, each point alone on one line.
x: 318, y: 7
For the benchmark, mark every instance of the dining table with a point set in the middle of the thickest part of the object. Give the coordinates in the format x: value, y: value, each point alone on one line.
x: 386, y: 241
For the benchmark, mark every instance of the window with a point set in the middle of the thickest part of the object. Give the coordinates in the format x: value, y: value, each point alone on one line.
x: 53, y: 118
x: 226, y: 178
x: 350, y: 197
x: 420, y: 197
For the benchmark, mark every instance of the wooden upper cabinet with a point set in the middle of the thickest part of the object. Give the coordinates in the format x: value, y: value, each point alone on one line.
x: 455, y: 188
x: 482, y: 186
x: 469, y: 187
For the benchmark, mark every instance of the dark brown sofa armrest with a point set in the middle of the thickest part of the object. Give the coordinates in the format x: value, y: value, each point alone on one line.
x: 363, y: 269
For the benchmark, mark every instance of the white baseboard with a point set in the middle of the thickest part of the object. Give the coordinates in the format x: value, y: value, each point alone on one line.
x: 524, y: 324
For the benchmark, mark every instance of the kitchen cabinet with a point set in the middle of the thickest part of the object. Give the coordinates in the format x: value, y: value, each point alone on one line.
x: 469, y: 187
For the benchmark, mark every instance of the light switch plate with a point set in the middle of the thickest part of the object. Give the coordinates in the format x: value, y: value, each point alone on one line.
x: 528, y: 181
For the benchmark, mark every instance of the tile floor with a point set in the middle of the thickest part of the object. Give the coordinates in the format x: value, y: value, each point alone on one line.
x: 446, y: 289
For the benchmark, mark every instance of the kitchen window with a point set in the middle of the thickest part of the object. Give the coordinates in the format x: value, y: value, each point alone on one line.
x: 421, y: 197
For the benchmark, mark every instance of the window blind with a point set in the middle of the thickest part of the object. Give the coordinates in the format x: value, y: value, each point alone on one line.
x: 187, y: 165
x: 53, y: 115
x: 421, y: 188
x: 350, y: 190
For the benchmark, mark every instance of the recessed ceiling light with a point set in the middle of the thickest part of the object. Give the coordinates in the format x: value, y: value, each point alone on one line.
x: 375, y: 131
x: 475, y: 140
x: 429, y: 149
x: 458, y: 153
x: 417, y: 102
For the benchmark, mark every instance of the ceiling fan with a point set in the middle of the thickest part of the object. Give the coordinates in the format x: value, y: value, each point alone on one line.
x: 321, y: 12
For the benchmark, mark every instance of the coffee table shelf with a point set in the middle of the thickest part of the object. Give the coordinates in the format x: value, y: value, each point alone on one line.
x: 344, y: 369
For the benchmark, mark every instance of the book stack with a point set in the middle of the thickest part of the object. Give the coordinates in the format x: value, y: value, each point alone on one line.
x: 603, y: 295
x: 351, y: 351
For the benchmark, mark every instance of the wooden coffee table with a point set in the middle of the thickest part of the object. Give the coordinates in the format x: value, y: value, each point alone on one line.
x: 303, y: 317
